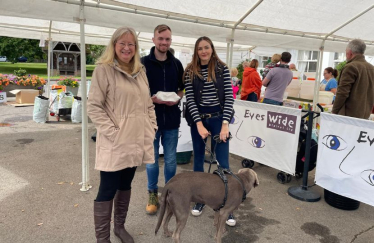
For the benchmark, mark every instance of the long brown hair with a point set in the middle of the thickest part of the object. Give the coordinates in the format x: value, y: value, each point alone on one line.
x: 254, y: 64
x: 193, y: 68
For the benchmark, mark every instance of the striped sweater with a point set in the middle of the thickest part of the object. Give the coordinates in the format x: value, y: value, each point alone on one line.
x: 209, y: 95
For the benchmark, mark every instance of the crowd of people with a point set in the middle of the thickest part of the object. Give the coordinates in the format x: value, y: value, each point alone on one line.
x: 131, y: 120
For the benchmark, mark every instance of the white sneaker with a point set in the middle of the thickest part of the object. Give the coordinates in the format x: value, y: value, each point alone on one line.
x: 197, y: 210
x: 231, y: 220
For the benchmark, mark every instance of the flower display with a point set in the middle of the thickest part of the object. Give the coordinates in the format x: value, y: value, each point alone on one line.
x: 68, y: 81
x: 30, y: 80
x: 4, y: 81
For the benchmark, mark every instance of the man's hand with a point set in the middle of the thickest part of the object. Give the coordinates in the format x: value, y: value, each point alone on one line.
x: 156, y: 100
x: 170, y: 103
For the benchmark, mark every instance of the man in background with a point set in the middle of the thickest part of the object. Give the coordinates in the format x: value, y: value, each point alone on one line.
x: 355, y: 94
x: 277, y: 80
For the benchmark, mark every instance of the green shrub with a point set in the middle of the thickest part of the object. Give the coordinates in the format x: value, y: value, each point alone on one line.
x: 20, y: 72
x: 340, y: 67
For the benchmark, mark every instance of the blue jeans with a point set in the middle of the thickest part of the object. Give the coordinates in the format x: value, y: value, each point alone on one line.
x: 271, y: 102
x: 169, y: 140
x: 213, y: 125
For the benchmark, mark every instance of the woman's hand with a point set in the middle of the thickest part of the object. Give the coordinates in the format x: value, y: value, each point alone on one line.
x: 202, y: 130
x: 224, y: 134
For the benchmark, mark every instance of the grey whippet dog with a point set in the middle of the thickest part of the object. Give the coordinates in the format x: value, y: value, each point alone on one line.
x: 206, y: 188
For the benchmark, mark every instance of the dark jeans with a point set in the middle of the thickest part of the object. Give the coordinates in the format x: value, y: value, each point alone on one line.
x: 252, y: 97
x: 272, y: 102
x: 213, y: 125
x: 110, y: 182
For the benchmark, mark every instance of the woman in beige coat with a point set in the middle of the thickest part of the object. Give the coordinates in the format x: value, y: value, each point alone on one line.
x: 120, y: 106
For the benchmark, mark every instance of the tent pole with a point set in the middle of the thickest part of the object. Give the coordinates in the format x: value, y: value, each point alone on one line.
x: 236, y: 25
x: 49, y: 59
x: 227, y: 52
x: 318, y: 74
x: 231, y: 47
x: 85, y: 164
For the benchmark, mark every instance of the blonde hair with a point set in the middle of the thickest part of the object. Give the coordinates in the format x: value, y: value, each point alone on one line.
x: 193, y: 68
x: 234, y: 72
x: 245, y: 64
x: 275, y: 58
x: 109, y: 54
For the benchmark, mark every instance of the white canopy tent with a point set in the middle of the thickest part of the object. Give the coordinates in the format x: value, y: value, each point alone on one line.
x: 241, y: 24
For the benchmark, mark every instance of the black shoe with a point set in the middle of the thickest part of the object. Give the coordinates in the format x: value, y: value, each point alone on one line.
x: 197, y: 209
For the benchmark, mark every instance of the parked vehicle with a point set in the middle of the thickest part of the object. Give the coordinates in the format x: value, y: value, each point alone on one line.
x: 22, y: 59
x: 3, y: 59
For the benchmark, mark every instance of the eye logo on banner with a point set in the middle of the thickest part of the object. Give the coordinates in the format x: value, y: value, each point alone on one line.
x: 256, y: 142
x: 281, y: 122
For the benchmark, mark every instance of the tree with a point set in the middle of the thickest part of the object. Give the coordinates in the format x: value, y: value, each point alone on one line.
x: 13, y: 48
x: 94, y: 52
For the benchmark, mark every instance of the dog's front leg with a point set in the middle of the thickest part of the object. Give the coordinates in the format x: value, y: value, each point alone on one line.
x: 216, y: 216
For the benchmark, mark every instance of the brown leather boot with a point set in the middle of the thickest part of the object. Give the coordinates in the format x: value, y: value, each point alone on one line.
x: 121, y: 206
x: 102, y: 216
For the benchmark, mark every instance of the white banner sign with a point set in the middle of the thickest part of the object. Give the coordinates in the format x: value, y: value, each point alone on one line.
x: 267, y: 134
x: 345, y: 163
x: 184, y: 136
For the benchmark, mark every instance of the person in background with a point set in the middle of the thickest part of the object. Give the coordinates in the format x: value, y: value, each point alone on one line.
x: 164, y: 73
x: 234, y: 81
x: 209, y: 107
x: 355, y: 94
x: 251, y: 85
x: 274, y: 60
x: 123, y: 113
x: 292, y: 67
x: 329, y: 82
x: 277, y: 81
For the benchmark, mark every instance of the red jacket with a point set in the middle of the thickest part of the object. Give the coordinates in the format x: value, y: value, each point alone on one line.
x: 251, y: 83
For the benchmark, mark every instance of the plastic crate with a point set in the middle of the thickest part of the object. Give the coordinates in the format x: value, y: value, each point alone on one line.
x: 184, y: 157
x: 340, y: 202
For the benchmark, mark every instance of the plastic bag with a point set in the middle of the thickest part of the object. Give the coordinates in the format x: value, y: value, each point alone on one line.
x: 76, y: 112
x: 54, y: 100
x: 65, y: 100
x: 41, y: 105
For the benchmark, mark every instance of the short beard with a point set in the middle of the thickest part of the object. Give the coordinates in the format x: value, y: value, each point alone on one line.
x: 160, y: 50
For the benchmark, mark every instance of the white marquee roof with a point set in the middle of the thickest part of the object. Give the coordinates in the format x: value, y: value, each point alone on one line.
x: 292, y: 24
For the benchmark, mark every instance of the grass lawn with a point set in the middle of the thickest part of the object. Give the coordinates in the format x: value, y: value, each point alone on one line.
x: 39, y: 69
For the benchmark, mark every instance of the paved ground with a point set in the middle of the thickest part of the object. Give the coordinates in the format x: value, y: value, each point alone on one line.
x: 41, y: 201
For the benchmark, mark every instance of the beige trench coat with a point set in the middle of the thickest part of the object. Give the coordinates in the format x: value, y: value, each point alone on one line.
x: 121, y: 108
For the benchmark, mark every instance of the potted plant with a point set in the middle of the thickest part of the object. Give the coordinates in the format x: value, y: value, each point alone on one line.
x: 4, y: 81
x: 70, y: 83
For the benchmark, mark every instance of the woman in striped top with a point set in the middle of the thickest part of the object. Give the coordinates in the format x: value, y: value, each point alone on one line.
x: 209, y: 106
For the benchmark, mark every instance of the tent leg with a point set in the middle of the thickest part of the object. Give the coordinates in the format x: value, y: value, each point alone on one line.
x: 85, y: 164
x: 318, y: 74
x: 228, y: 52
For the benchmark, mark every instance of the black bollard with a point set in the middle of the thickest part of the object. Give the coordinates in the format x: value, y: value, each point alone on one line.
x: 302, y: 192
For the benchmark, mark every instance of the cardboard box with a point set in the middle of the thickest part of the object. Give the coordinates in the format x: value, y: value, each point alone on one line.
x: 24, y: 96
